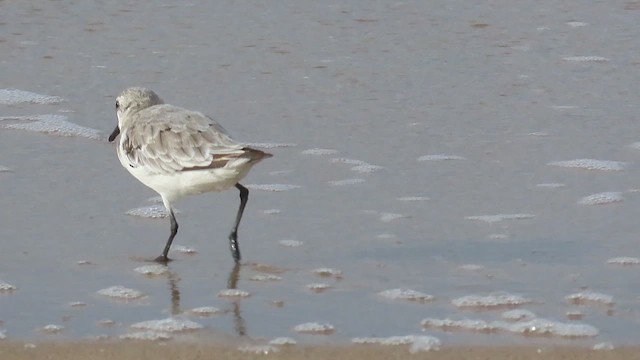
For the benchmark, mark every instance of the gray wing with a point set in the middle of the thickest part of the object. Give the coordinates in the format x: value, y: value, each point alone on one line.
x: 166, y: 139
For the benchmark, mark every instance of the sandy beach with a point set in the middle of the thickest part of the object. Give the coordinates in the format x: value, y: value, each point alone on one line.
x: 131, y: 351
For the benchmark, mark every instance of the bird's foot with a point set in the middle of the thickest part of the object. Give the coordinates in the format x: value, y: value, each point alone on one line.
x: 162, y: 259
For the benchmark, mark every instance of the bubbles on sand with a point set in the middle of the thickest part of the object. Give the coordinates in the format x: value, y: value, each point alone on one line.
x: 500, y: 217
x: 624, y: 260
x: 413, y: 198
x: 534, y: 327
x: 406, y: 294
x: 49, y: 124
x: 591, y: 164
x: 598, y: 59
x: 601, y: 198
x: 265, y: 277
x: 328, y: 272
x: 77, y: 304
x: 518, y: 315
x: 606, y: 345
x: 440, y: 157
x: 146, y: 336
x: 119, y: 292
x: 51, y: 329
x: 346, y: 182
x: 317, y: 151
x: 348, y: 161
x: 155, y: 211
x: 258, y: 349
x: 6, y: 288
x: 290, y: 243
x: 589, y: 297
x: 234, y: 293
x: 185, y: 249
x: 389, y: 217
x: 314, y: 328
x: 272, y: 187
x: 15, y: 96
x: 575, y: 24
x: 271, y: 211
x: 169, y: 325
x: 205, y: 311
x: 366, y: 168
x: 418, y: 342
x: 282, y: 341
x: 152, y: 270
x: 318, y: 287
x: 472, y: 267
x: 489, y: 301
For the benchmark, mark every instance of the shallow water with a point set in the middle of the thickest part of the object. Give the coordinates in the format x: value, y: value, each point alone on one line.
x: 450, y: 149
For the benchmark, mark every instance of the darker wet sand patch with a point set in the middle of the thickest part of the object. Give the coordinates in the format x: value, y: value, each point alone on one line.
x: 160, y: 351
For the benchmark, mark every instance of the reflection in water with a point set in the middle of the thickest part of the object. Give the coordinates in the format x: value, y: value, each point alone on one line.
x: 232, y: 283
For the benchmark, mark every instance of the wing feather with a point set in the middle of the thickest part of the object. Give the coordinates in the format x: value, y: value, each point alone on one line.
x: 165, y: 139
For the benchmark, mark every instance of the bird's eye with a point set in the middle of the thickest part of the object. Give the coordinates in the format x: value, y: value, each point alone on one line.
x: 117, y: 104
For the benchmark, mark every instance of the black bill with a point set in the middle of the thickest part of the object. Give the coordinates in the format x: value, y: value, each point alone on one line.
x: 114, y: 134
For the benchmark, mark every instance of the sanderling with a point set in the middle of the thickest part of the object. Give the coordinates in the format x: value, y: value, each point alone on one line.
x: 179, y: 152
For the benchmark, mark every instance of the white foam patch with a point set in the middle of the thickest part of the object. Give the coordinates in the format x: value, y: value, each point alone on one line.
x: 152, y: 270
x: 168, y: 325
x: 155, y: 211
x: 77, y: 304
x: 4, y: 169
x: 291, y: 243
x: 155, y: 200
x: 551, y: 185
x: 500, y: 217
x: 6, y: 287
x: 418, y: 342
x: 314, y: 328
x: 440, y: 157
x: 575, y: 24
x: 318, y: 287
x: 624, y: 260
x: 389, y: 217
x: 603, y: 198
x: 406, y: 294
x: 146, y: 336
x: 346, y: 182
x: 271, y: 212
x: 265, y: 277
x: 589, y: 297
x: 50, y: 124
x: 283, y: 341
x: 328, y: 272
x: 518, y: 315
x: 472, y: 267
x: 121, y: 293
x: 52, y: 329
x: 591, y: 164
x: 366, y: 168
x: 317, y: 151
x: 413, y: 198
x: 598, y: 59
x: 271, y: 145
x: 489, y: 301
x: 205, y: 311
x: 348, y: 161
x: 258, y: 349
x: 603, y: 346
x: 233, y: 293
x: 15, y: 96
x: 272, y: 187
x: 534, y: 327
x: 3, y: 335
x: 185, y: 249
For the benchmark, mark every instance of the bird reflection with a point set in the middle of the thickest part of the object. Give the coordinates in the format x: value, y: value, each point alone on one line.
x: 232, y: 283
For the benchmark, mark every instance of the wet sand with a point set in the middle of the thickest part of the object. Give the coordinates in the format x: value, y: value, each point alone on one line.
x: 112, y: 351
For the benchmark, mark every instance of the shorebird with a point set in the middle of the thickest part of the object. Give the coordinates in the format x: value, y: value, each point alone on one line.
x: 179, y: 152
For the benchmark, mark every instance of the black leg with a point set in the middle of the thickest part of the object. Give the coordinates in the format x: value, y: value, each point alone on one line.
x: 233, y: 237
x: 174, y: 230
